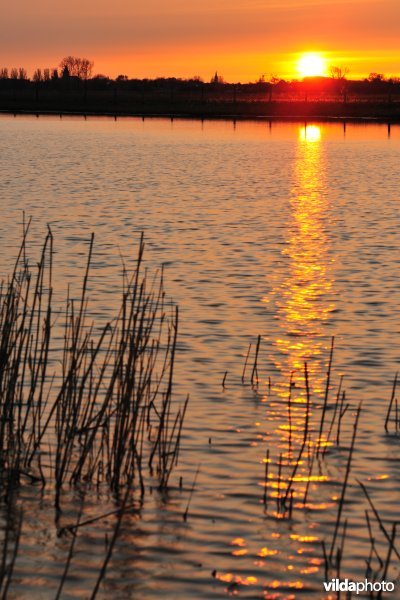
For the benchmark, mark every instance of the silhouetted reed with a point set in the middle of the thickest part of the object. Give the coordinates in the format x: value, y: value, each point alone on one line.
x: 378, y: 518
x: 345, y: 483
x: 373, y: 550
x: 338, y: 396
x: 265, y: 496
x: 254, y: 373
x: 392, y: 403
x: 245, y: 363
x: 224, y: 379
x: 325, y: 405
x: 186, y: 513
x: 380, y: 572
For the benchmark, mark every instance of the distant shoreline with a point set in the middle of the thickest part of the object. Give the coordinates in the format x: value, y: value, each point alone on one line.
x: 317, y: 98
x: 206, y: 116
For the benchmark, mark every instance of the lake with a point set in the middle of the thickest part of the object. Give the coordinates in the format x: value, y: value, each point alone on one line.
x: 284, y: 230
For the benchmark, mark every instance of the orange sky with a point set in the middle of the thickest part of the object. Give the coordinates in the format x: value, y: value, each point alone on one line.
x: 242, y: 39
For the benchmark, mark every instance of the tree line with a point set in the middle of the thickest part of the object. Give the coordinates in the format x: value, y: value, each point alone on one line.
x: 79, y: 70
x: 70, y: 66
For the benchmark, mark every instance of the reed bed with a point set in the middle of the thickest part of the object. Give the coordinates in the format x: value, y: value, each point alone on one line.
x: 100, y: 410
x: 308, y: 448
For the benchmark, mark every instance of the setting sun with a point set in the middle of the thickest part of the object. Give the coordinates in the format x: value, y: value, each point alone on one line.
x: 311, y: 64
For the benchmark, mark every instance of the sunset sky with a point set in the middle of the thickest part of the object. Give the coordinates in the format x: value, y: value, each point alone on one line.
x: 241, y: 39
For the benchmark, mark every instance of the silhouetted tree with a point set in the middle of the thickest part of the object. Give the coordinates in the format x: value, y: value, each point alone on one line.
x: 273, y: 81
x: 85, y: 68
x: 77, y: 67
x: 67, y: 66
x: 54, y: 75
x: 22, y: 74
x: 338, y: 74
x: 14, y: 73
x: 376, y: 77
x: 4, y: 73
x: 46, y: 74
x: 37, y: 76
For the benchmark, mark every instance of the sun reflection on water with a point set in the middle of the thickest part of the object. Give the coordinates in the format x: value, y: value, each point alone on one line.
x: 303, y: 299
x: 302, y: 306
x: 310, y: 133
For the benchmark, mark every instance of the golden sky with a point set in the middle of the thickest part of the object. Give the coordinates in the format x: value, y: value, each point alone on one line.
x: 241, y: 39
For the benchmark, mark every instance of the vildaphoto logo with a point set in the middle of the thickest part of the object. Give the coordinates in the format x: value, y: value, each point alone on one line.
x: 346, y: 585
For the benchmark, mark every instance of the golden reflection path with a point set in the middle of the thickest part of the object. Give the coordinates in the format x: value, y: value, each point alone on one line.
x: 303, y: 303
x: 303, y: 299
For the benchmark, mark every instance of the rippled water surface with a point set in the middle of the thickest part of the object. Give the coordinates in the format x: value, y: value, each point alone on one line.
x: 283, y: 230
